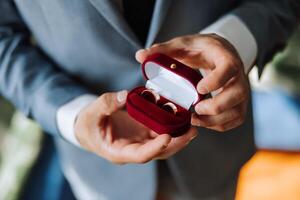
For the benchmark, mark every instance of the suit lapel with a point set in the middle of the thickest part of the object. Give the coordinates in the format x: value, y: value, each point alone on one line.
x: 111, y: 13
x: 158, y: 17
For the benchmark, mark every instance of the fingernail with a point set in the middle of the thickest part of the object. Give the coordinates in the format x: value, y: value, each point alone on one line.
x: 121, y: 96
x: 202, y: 89
x: 140, y: 51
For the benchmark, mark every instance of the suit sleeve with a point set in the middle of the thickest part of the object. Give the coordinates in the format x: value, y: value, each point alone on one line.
x: 28, y: 78
x: 271, y: 22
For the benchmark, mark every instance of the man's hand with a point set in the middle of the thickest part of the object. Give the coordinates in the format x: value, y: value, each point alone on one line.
x: 225, y: 73
x: 106, y: 130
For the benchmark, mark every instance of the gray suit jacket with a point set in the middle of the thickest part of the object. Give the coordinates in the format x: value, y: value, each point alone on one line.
x: 86, y: 47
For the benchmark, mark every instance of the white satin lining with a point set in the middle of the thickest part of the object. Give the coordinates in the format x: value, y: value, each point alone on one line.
x: 170, y: 85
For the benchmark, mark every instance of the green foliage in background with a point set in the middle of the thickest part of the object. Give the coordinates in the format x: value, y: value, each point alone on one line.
x: 20, y: 140
x: 287, y: 65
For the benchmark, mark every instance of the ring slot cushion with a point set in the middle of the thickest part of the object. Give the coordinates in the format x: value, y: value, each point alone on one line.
x: 174, y: 82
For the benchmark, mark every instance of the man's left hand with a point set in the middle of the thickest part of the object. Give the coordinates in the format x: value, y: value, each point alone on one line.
x: 225, y: 73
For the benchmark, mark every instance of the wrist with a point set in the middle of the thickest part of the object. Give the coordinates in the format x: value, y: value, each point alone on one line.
x: 68, y: 114
x: 230, y: 47
x: 238, y: 35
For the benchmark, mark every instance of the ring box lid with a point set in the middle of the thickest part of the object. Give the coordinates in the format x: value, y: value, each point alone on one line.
x: 172, y: 79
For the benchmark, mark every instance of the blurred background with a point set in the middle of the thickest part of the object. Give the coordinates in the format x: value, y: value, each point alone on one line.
x: 273, y: 172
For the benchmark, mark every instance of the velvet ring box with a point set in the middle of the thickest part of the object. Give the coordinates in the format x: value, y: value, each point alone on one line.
x: 175, y: 83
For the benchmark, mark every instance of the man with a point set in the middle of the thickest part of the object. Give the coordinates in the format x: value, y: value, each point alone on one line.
x: 86, y: 48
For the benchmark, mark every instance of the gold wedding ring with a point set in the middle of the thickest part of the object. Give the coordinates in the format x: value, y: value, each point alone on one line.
x: 170, y: 107
x: 154, y: 97
x: 151, y: 95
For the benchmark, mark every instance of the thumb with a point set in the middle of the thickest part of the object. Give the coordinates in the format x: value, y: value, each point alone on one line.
x: 110, y: 102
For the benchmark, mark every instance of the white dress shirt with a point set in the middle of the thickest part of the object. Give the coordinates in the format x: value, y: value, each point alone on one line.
x: 229, y: 27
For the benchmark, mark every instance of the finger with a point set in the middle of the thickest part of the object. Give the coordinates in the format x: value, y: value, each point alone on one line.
x: 190, y: 57
x: 166, y: 48
x: 178, y: 143
x: 142, y: 153
x: 232, y: 95
x: 195, y: 59
x: 208, y: 121
x: 228, y: 126
x: 225, y: 69
x: 109, y: 103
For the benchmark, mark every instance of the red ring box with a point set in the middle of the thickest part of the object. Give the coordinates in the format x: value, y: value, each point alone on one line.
x: 175, y: 83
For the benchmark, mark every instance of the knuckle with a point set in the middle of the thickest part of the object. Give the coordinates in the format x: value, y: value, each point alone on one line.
x: 234, y: 63
x: 214, y: 40
x: 221, y: 128
x: 233, y: 115
x: 195, y: 123
x: 241, y: 113
x: 236, y: 112
x: 243, y: 90
x: 142, y: 160
x: 162, y: 157
x: 105, y: 98
x: 182, y: 38
x: 176, y: 39
x: 157, y: 45
x: 188, y: 40
x: 207, y: 122
x: 116, y: 161
x: 230, y: 61
x: 217, y: 83
x: 240, y: 116
x: 199, y: 123
x: 216, y: 109
x: 238, y: 123
x: 234, y: 68
x: 240, y: 93
x: 224, y: 58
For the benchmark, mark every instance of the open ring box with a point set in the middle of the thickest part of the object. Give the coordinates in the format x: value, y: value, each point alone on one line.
x: 175, y: 83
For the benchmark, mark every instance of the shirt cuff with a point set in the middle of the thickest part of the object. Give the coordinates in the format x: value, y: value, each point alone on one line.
x: 67, y: 114
x: 236, y: 32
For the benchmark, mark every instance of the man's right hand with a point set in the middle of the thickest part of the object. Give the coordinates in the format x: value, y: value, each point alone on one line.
x: 108, y: 131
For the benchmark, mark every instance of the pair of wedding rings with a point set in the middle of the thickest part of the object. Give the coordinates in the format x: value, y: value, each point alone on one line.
x: 154, y: 97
